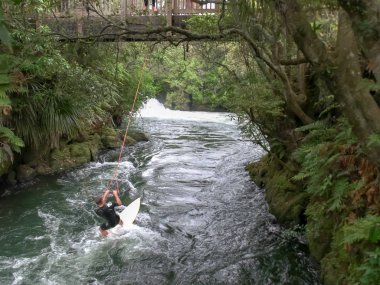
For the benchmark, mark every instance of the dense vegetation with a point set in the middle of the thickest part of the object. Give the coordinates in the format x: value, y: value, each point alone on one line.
x: 301, y: 76
x: 56, y: 94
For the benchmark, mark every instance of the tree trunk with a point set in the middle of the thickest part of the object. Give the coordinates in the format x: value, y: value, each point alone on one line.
x: 357, y: 101
x: 365, y: 17
x: 342, y: 79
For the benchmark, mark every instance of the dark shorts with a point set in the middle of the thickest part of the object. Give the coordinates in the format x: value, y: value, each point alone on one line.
x: 108, y: 225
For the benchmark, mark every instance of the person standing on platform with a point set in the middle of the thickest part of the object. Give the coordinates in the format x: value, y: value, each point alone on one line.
x: 153, y: 5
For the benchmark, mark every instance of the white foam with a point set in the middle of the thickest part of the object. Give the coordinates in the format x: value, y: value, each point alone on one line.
x: 35, y: 238
x: 23, y: 261
x: 154, y: 109
x: 148, y: 173
x: 123, y: 164
x: 17, y: 279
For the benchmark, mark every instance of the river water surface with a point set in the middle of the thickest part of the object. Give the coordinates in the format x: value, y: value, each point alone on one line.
x: 202, y: 221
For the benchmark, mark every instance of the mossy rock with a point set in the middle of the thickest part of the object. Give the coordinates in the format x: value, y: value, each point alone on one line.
x: 130, y: 141
x: 106, y: 131
x: 43, y: 169
x: 94, y: 150
x: 80, y: 153
x: 109, y: 138
x: 60, y: 154
x: 25, y: 173
x: 287, y: 206
x: 319, y: 229
x: 138, y: 136
x: 258, y: 171
x: 285, y: 199
x: 61, y: 159
x: 11, y: 178
x: 334, y: 269
x: 111, y: 141
x: 5, y: 164
x: 94, y: 144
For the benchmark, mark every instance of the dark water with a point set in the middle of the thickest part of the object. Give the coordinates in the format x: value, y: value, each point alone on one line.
x: 202, y: 221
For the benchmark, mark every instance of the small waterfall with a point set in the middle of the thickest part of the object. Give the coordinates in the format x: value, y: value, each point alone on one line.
x: 154, y: 109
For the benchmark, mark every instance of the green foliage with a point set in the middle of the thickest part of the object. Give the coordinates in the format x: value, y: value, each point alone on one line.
x: 318, y: 155
x: 5, y: 37
x: 187, y: 78
x: 328, y: 171
x: 362, y: 236
x: 9, y: 143
x: 339, y: 190
x: 370, y: 269
x: 281, y: 182
x: 363, y: 229
x: 4, y: 99
x: 67, y: 89
x: 59, y: 99
x: 257, y: 106
x: 204, y: 24
x: 373, y: 139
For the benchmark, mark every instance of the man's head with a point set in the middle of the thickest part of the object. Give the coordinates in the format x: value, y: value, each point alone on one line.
x: 98, y: 200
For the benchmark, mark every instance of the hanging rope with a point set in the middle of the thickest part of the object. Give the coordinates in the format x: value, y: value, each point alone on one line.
x: 126, y: 130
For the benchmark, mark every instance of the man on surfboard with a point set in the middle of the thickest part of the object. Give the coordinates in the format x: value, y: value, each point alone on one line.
x: 107, y: 211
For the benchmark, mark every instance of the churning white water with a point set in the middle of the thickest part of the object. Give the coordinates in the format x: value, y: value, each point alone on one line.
x: 202, y: 220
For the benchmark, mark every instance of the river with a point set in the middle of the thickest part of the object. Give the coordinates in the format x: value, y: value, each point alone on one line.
x: 202, y: 221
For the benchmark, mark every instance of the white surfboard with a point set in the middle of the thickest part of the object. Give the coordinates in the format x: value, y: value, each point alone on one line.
x: 128, y: 215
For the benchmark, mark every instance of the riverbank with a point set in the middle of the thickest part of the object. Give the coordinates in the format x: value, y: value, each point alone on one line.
x: 69, y: 154
x: 342, y: 231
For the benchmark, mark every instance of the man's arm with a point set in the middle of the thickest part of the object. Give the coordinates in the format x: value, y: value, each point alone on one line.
x: 105, y: 195
x: 118, y: 201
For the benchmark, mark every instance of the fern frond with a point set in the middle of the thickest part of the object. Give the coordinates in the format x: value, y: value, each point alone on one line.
x: 300, y: 176
x: 7, y: 137
x: 370, y: 268
x: 317, y: 125
x: 364, y: 229
x: 373, y: 139
x: 341, y: 188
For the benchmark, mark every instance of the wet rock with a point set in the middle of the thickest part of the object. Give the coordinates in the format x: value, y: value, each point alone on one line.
x: 43, y: 169
x: 11, y: 178
x: 138, y: 136
x: 5, y: 164
x: 109, y: 138
x: 25, y: 173
x: 80, y: 153
x: 130, y: 141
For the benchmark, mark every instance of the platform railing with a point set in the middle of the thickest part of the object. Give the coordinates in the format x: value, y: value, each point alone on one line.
x: 126, y: 8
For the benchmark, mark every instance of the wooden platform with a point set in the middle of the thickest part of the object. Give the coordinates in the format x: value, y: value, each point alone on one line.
x: 129, y: 18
